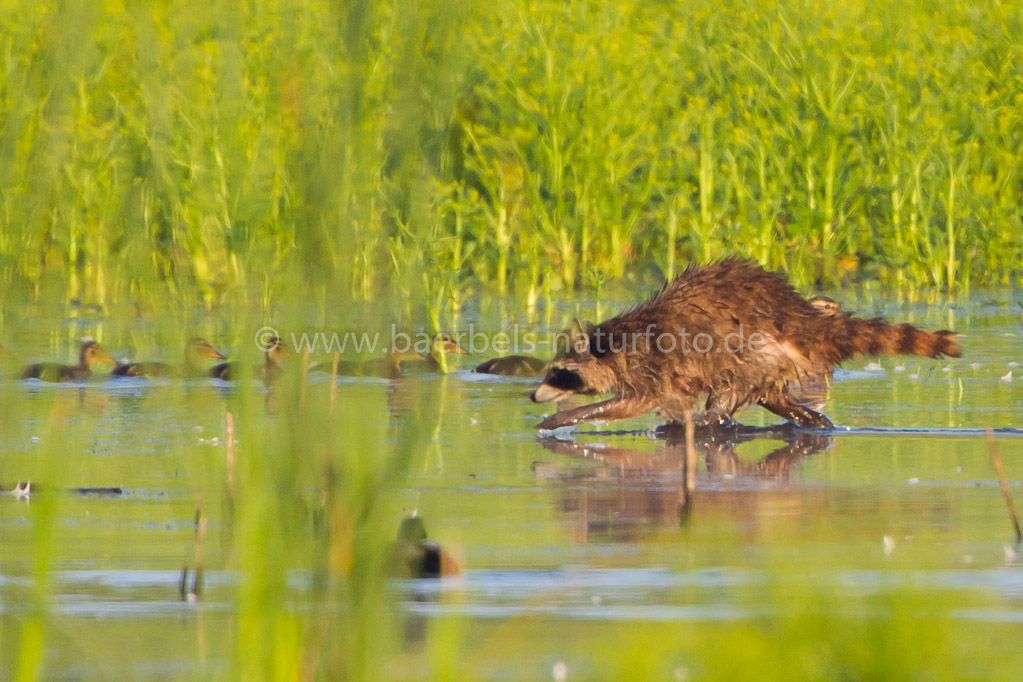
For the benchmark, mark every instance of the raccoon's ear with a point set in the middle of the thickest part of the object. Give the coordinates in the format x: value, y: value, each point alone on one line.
x: 579, y: 336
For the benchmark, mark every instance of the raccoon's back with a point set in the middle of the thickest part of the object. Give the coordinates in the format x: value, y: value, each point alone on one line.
x: 718, y: 298
x: 729, y: 323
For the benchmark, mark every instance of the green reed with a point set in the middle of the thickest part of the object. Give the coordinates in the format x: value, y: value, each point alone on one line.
x: 211, y: 153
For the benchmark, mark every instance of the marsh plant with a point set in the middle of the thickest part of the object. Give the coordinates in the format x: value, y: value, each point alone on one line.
x: 225, y: 153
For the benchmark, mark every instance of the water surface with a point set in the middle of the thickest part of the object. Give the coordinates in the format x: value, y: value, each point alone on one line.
x: 560, y: 540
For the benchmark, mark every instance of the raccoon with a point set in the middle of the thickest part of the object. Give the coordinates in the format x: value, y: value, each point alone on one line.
x: 730, y: 331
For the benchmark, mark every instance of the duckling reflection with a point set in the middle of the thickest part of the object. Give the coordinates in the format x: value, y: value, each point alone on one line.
x: 635, y: 491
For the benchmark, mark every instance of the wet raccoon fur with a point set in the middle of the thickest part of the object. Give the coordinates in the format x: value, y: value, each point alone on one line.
x: 742, y: 337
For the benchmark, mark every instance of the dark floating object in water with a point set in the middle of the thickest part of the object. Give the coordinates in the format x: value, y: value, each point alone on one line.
x: 89, y: 354
x: 195, y: 350
x: 25, y: 489
x: 513, y: 366
x: 114, y: 491
x: 414, y: 556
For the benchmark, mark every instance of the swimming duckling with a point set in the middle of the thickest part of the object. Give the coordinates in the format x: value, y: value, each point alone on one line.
x: 195, y: 350
x: 89, y: 354
x: 512, y: 366
x: 528, y: 366
x: 827, y: 306
x: 413, y: 556
x: 269, y: 371
x: 392, y: 366
x: 812, y: 389
x: 442, y: 343
x: 385, y: 368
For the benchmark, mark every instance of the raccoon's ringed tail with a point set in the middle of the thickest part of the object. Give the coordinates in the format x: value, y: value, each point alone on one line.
x: 877, y: 337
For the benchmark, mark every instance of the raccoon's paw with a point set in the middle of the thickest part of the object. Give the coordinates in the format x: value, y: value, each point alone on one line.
x: 813, y: 420
x: 556, y: 421
x: 713, y: 419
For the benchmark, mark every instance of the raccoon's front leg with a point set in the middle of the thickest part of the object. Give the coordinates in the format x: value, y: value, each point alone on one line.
x: 606, y: 411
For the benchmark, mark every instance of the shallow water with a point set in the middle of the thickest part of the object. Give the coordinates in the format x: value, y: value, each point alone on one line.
x: 559, y: 538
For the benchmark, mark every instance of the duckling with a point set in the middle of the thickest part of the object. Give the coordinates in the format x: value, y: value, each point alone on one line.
x: 195, y: 350
x: 445, y: 343
x: 528, y: 366
x: 392, y: 366
x: 513, y: 366
x: 271, y: 369
x: 413, y: 556
x: 827, y: 306
x: 89, y: 354
x: 812, y: 389
x: 268, y: 372
x: 385, y: 368
x: 442, y: 343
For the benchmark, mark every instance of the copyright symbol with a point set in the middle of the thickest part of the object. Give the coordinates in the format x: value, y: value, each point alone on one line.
x: 266, y: 338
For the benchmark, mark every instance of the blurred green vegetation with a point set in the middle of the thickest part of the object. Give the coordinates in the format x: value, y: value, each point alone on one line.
x: 226, y: 152
x: 280, y: 159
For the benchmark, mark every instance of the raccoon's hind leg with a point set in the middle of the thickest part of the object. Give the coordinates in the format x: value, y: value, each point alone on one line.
x: 785, y: 405
x: 674, y: 408
x: 721, y: 406
x: 606, y: 411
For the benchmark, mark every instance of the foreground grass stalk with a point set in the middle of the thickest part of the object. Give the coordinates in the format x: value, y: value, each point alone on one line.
x: 45, y: 509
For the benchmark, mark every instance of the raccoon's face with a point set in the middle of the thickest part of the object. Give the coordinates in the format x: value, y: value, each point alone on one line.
x: 579, y: 374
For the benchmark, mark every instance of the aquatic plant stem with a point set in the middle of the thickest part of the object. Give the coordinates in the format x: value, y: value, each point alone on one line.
x: 305, y: 376
x: 690, y: 474
x: 997, y: 459
x: 333, y: 380
x: 229, y: 452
